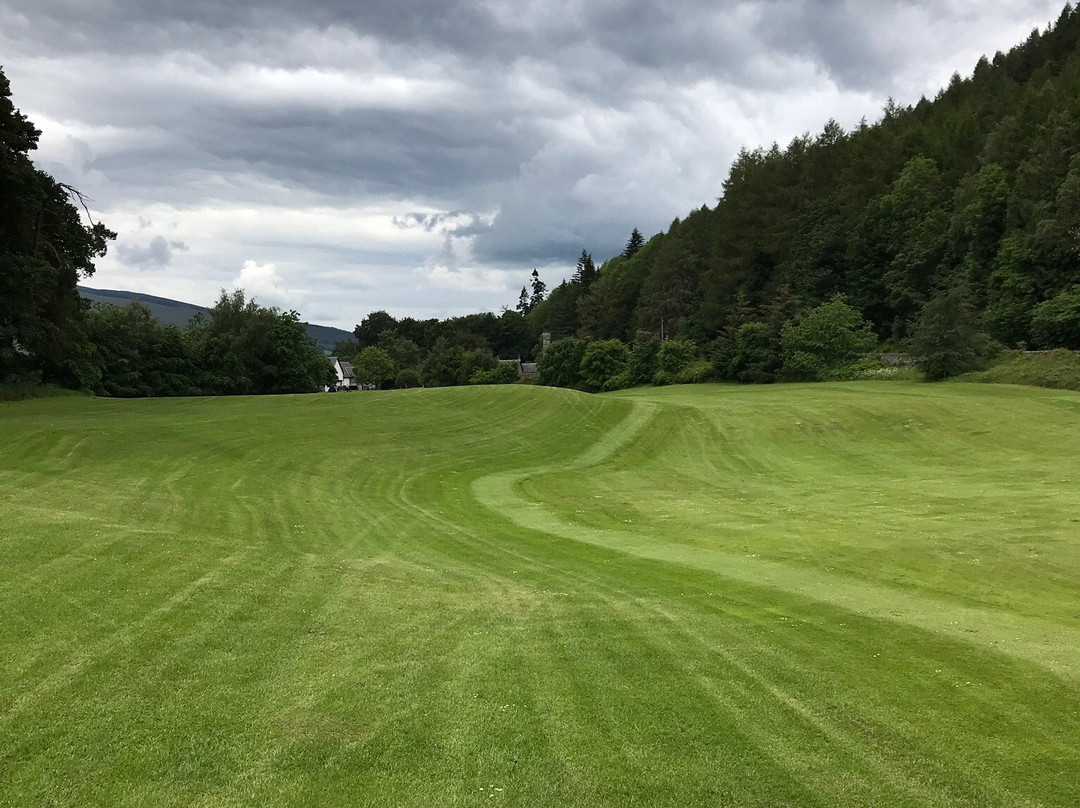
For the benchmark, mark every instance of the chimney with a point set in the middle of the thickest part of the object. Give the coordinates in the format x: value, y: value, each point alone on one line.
x: 545, y: 340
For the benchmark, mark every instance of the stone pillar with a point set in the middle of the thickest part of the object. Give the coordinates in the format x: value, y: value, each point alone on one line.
x: 545, y: 340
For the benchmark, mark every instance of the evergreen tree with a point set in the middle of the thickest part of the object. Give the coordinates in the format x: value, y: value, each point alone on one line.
x: 636, y: 242
x: 523, y: 302
x: 946, y: 339
x: 539, y: 290
x: 585, y: 272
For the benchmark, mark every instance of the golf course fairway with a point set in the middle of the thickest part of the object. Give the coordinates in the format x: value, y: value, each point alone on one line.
x: 830, y: 595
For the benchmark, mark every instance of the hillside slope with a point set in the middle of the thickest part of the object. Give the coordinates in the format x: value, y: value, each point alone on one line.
x: 175, y: 312
x: 978, y: 188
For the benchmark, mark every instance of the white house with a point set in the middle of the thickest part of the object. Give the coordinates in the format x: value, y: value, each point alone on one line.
x: 345, y: 373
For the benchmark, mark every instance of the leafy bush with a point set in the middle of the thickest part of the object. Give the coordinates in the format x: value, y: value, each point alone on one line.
x: 601, y: 361
x: 560, y: 364
x: 823, y: 338
x: 674, y: 355
x: 696, y: 372
x: 407, y: 378
x: 643, y: 359
x: 1055, y: 323
x: 856, y: 371
x: 503, y: 374
x: 620, y: 381
x: 752, y: 356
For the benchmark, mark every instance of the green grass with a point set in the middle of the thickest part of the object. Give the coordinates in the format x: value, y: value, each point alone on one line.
x: 1059, y: 370
x: 804, y: 595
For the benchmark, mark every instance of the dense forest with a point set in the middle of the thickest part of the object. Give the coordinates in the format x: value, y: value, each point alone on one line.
x: 946, y: 229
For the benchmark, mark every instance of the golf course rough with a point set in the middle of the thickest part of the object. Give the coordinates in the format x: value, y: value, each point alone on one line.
x: 804, y: 595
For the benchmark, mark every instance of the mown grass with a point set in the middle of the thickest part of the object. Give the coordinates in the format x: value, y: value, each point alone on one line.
x: 809, y: 595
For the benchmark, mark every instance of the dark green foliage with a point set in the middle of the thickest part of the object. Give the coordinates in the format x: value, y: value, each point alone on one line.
x: 980, y: 186
x: 753, y: 357
x: 539, y: 290
x: 586, y: 272
x: 673, y: 359
x: 674, y: 356
x: 1056, y: 322
x: 346, y: 349
x: 560, y: 364
x: 642, y: 366
x: 138, y: 355
x: 404, y: 352
x: 372, y: 327
x: 601, y: 361
x: 374, y: 366
x: 558, y: 313
x: 45, y: 250
x: 824, y: 338
x: 503, y: 374
x: 246, y: 349
x: 1011, y: 293
x: 946, y: 340
x: 407, y: 378
x: 634, y: 244
x: 450, y: 364
x: 443, y: 365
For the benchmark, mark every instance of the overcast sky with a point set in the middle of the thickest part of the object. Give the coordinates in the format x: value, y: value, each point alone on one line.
x: 342, y: 156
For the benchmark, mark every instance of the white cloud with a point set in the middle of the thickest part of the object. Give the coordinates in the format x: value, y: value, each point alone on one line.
x: 263, y: 283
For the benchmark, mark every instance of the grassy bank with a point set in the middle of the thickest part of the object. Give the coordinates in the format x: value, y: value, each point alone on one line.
x: 1058, y: 370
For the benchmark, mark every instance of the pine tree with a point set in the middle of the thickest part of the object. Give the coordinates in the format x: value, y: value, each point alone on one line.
x: 586, y: 271
x: 539, y: 290
x: 636, y: 242
x: 523, y: 302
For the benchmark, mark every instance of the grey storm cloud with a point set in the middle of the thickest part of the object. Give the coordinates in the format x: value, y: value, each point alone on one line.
x: 156, y: 254
x: 524, y: 132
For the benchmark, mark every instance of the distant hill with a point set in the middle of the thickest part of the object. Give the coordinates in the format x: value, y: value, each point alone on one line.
x: 178, y: 313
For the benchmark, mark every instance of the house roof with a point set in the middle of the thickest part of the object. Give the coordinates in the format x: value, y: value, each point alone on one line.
x: 528, y: 367
x: 347, y: 370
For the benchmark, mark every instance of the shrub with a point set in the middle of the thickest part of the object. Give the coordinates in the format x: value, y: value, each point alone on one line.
x: 696, y: 372
x: 855, y: 371
x: 620, y: 381
x: 503, y: 374
x: 946, y: 340
x: 752, y: 357
x: 406, y: 378
x: 560, y: 364
x: 602, y: 360
x: 674, y: 355
x: 822, y: 338
x: 1055, y: 323
x: 643, y: 358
